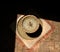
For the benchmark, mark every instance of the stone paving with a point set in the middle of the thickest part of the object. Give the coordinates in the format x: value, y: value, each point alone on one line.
x: 51, y: 44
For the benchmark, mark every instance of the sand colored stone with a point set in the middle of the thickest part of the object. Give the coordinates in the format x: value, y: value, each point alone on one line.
x: 50, y: 44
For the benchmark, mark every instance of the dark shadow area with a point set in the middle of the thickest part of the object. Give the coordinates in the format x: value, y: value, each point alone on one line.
x: 7, y: 36
x: 49, y: 13
x: 36, y: 34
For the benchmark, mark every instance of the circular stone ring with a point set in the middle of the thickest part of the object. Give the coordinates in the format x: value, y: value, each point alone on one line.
x: 28, y: 24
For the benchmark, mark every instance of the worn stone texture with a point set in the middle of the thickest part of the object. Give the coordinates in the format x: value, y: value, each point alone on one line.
x: 51, y: 44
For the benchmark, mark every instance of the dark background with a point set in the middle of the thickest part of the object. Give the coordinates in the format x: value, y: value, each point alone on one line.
x: 9, y: 12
